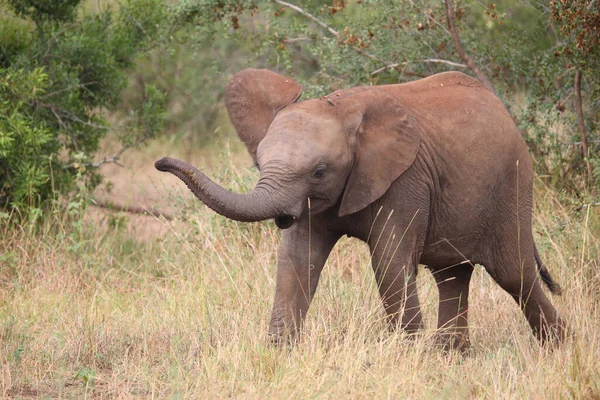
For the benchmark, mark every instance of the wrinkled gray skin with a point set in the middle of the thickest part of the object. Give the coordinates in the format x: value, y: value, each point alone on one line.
x: 432, y: 172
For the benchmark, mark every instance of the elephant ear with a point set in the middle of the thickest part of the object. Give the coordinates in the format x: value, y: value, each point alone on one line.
x: 387, y: 138
x: 253, y: 98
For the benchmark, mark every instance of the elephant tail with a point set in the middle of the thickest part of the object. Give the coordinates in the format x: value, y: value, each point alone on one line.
x: 545, y: 274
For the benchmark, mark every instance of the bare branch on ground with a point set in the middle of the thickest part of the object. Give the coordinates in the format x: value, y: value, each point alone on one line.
x: 131, y: 209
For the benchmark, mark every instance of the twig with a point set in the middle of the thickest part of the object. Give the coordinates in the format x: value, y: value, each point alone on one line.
x: 106, y: 160
x: 300, y: 39
x: 391, y: 66
x: 69, y: 115
x: 581, y: 124
x: 439, y: 61
x: 435, y: 21
x: 131, y: 209
x: 114, y: 159
x: 327, y: 27
x: 427, y: 60
x: 309, y: 16
x: 81, y: 85
x: 579, y: 143
x: 58, y: 118
x: 335, y: 33
x: 131, y: 19
x: 461, y: 52
x: 75, y: 118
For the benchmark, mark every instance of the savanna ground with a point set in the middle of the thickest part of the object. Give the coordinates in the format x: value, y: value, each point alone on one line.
x: 129, y: 306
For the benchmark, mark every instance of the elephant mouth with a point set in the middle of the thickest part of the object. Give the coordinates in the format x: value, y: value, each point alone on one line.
x: 285, y: 221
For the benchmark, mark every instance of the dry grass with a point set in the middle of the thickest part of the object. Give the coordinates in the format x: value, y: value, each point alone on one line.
x: 182, y: 311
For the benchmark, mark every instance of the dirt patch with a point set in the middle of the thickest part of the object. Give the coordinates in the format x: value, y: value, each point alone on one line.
x: 147, y: 200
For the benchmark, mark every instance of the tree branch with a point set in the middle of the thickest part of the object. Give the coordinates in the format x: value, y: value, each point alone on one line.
x: 309, y: 16
x: 388, y: 65
x: 461, y: 52
x: 131, y: 209
x: 581, y: 124
x: 81, y: 85
x: 106, y: 160
x: 327, y: 27
x: 299, y: 39
x: 111, y: 160
x: 578, y: 143
x: 68, y: 115
x: 131, y: 19
x: 439, y: 61
x: 427, y: 60
x: 435, y: 21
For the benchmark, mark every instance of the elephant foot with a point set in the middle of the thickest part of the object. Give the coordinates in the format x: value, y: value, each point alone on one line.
x: 282, y: 339
x: 552, y: 334
x: 453, y: 341
x: 281, y: 334
x: 411, y: 323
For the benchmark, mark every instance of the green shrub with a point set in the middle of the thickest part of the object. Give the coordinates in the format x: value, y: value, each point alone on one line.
x: 61, y: 69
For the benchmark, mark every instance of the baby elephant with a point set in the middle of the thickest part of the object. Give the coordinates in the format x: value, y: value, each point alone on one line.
x: 432, y: 171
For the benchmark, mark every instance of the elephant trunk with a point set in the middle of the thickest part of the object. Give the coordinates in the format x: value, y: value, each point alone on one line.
x: 257, y: 205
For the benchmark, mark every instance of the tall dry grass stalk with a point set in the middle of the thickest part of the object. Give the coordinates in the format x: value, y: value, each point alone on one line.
x: 100, y: 313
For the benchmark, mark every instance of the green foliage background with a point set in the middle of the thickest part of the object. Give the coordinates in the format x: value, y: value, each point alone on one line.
x: 529, y: 49
x: 62, y: 71
x: 71, y: 72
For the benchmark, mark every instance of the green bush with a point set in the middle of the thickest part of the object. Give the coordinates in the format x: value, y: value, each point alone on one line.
x: 61, y: 69
x: 28, y: 149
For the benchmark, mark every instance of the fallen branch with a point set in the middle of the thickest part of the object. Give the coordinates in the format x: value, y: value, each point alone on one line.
x: 131, y: 209
x: 461, y: 52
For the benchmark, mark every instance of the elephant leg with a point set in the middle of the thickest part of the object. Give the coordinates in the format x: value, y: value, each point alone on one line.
x: 395, y: 274
x: 453, y: 325
x: 520, y: 278
x: 302, y: 255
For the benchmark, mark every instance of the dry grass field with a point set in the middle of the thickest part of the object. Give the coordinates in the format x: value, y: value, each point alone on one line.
x: 132, y: 306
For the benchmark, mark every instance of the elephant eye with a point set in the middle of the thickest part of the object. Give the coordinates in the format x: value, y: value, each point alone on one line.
x: 319, y: 173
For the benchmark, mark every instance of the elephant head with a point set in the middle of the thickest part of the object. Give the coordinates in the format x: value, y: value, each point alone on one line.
x: 343, y: 150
